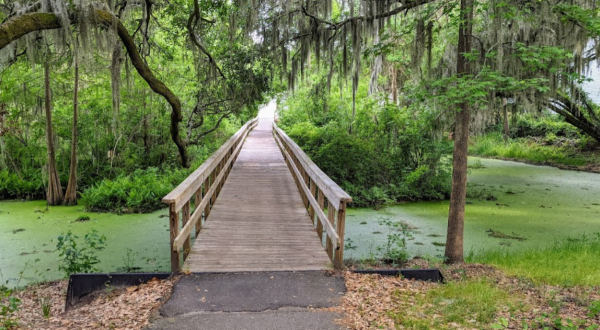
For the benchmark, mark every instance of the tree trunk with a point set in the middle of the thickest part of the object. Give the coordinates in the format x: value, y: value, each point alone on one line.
x: 505, y: 118
x: 456, y: 214
x: 54, y: 196
x: 71, y: 194
x: 115, y: 82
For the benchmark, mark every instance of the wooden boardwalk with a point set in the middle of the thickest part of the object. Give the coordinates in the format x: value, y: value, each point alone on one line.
x: 259, y: 221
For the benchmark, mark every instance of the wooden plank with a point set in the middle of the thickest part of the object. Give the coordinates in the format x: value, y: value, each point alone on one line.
x: 191, y: 184
x: 259, y: 221
x: 322, y: 218
x: 187, y: 228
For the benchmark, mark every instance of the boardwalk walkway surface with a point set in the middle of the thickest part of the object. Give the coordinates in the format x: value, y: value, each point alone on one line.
x: 258, y: 222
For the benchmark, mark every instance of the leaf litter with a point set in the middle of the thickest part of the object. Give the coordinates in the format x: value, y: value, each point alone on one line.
x: 125, y: 308
x: 390, y: 302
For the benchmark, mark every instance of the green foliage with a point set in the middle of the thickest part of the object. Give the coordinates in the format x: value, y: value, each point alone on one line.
x: 27, y: 185
x: 395, y: 249
x: 9, y: 304
x: 139, y: 192
x: 594, y: 309
x: 469, y: 303
x: 389, y: 156
x: 77, y: 256
x: 532, y: 150
x: 566, y: 263
x: 530, y: 126
x: 46, y: 305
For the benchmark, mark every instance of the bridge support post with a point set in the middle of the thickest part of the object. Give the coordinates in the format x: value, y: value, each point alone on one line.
x: 338, y: 261
x: 174, y: 224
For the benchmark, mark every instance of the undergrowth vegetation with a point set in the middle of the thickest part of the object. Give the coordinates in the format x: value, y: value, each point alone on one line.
x: 546, y: 140
x: 132, y: 188
x: 573, y: 262
x: 386, y: 155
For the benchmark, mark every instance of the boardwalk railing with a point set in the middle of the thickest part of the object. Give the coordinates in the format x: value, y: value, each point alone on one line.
x: 316, y: 188
x: 203, y: 186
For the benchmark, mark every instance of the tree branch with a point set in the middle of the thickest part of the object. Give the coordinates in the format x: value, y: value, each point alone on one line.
x: 19, y: 26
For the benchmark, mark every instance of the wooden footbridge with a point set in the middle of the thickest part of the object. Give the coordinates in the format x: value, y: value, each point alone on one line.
x: 257, y: 204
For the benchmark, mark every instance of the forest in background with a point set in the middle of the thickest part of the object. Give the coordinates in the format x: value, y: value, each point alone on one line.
x: 384, y: 95
x: 126, y: 159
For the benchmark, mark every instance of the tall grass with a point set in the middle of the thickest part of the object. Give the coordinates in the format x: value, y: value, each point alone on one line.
x: 470, y: 303
x: 493, y: 145
x: 572, y: 262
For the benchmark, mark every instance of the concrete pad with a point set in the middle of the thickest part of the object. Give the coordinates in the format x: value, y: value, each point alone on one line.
x: 272, y: 320
x: 253, y: 292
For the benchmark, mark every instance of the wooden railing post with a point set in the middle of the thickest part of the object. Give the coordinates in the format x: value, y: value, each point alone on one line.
x: 174, y: 226
x: 311, y: 211
x: 197, y: 201
x: 185, y: 217
x: 338, y: 261
x: 212, y: 182
x: 331, y: 219
x: 207, y: 207
x: 321, y: 201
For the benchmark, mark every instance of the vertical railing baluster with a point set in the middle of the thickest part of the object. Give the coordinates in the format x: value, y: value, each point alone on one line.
x: 174, y: 227
x: 306, y: 180
x: 311, y: 211
x: 321, y: 201
x: 197, y: 201
x: 206, y: 188
x: 213, y: 197
x: 185, y: 217
x: 331, y: 219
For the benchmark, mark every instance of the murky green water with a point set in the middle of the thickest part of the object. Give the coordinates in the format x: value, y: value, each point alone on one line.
x: 28, y: 240
x: 541, y: 204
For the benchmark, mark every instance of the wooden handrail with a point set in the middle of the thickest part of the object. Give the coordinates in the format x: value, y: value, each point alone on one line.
x: 315, y: 187
x: 204, y: 184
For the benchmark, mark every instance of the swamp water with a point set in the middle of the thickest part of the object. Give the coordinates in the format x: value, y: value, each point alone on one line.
x: 532, y: 206
x: 536, y: 203
x: 28, y: 237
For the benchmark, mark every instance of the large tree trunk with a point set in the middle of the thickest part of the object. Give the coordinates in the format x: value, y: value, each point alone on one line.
x: 71, y: 194
x: 506, y: 131
x: 54, y: 195
x: 456, y: 214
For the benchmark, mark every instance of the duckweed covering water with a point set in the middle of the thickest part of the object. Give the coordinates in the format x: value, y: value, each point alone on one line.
x: 537, y: 204
x: 28, y: 240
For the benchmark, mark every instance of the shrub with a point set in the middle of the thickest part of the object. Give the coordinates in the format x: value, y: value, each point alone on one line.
x: 376, y: 165
x: 79, y: 257
x: 139, y: 192
x: 27, y: 186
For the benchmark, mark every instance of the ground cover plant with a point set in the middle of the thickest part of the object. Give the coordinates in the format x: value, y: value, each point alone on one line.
x: 572, y: 262
x: 553, y: 288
